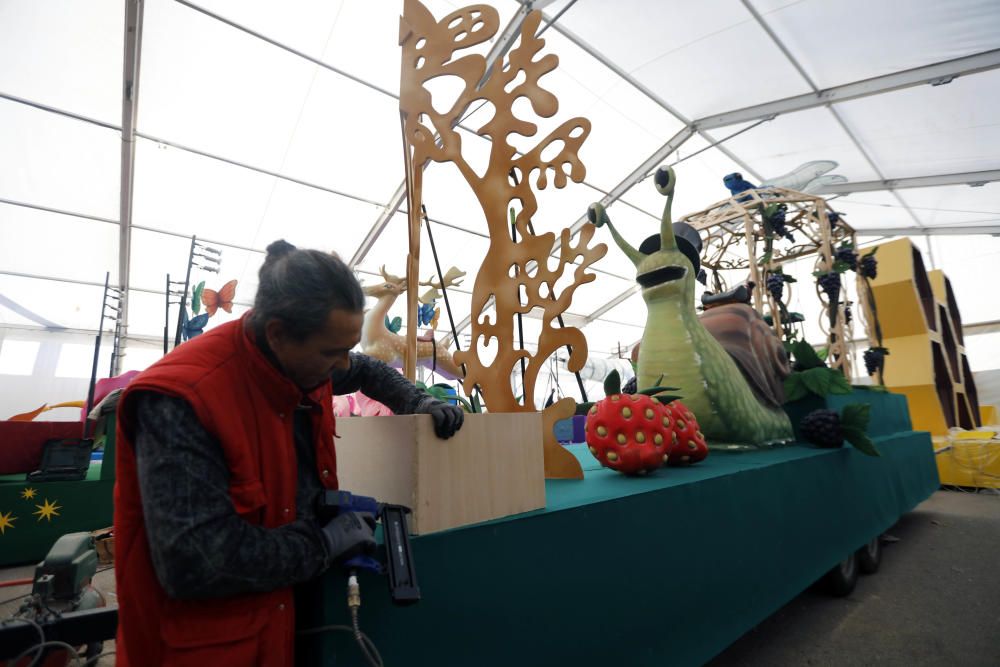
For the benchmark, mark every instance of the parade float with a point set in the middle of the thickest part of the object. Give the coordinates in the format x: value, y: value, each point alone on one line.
x: 765, y: 515
x: 778, y: 470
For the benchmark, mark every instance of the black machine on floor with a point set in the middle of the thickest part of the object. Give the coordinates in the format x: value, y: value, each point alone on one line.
x: 63, y: 605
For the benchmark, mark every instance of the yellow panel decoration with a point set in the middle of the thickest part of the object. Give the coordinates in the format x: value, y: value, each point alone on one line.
x: 922, y: 329
x: 519, y: 274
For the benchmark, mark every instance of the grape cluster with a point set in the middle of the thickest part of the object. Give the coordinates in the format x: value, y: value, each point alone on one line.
x: 874, y: 359
x: 830, y: 283
x: 822, y: 428
x: 631, y: 385
x: 834, y: 218
x: 869, y: 267
x: 847, y: 255
x: 776, y: 285
x: 848, y: 316
x: 777, y: 222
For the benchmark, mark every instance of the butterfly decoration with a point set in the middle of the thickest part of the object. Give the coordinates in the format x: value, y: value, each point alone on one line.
x: 427, y: 314
x: 196, y: 297
x: 193, y: 326
x: 213, y: 300
x: 395, y: 325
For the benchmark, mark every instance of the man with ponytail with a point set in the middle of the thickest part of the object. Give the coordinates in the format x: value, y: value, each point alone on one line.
x: 224, y: 446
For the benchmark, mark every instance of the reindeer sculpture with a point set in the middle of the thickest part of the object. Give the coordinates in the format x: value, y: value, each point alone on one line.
x: 377, y: 341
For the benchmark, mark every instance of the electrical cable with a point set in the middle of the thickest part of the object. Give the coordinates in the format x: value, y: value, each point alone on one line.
x: 350, y: 630
x: 16, y: 597
x: 367, y: 646
x: 41, y: 636
x: 371, y: 653
x: 39, y: 648
x: 96, y: 658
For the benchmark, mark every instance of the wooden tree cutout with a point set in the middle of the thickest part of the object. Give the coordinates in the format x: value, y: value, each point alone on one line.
x: 517, y: 276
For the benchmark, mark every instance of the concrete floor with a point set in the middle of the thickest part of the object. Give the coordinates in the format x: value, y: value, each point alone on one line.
x: 934, y: 601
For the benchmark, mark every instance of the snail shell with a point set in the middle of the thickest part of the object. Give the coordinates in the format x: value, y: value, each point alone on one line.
x: 753, y: 345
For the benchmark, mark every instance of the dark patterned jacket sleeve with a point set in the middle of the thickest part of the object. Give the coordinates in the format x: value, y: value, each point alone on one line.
x: 378, y: 380
x: 200, y: 547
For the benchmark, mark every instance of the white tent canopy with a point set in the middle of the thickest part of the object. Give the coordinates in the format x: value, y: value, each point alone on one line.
x: 259, y: 120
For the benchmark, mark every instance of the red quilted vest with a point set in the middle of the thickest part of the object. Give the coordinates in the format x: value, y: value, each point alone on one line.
x: 242, y: 400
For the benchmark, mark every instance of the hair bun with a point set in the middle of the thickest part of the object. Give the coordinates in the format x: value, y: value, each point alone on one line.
x: 279, y: 248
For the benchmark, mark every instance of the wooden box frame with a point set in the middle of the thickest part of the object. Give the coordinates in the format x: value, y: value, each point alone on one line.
x: 492, y: 468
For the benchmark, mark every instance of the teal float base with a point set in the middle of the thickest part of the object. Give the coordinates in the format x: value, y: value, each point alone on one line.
x: 667, y: 569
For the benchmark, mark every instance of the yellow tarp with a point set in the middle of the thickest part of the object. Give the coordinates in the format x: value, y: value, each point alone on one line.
x: 969, y: 458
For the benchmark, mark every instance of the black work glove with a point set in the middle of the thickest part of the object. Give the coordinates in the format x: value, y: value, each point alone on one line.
x: 349, y: 534
x: 447, y: 418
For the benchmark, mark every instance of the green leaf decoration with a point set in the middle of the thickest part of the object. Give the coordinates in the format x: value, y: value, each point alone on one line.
x: 817, y: 380
x: 465, y: 404
x: 838, y: 383
x: 823, y: 353
x: 613, y: 384
x: 806, y: 355
x: 656, y: 390
x: 840, y: 266
x: 795, y: 389
x: 765, y: 259
x: 796, y: 317
x: 583, y: 408
x: 856, y: 415
x: 477, y: 405
x: 860, y: 441
x: 667, y: 398
x: 871, y: 252
x: 196, y: 297
x: 788, y: 278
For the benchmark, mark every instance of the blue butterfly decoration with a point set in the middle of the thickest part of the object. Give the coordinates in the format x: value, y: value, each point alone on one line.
x: 426, y: 314
x: 193, y: 326
x: 395, y: 325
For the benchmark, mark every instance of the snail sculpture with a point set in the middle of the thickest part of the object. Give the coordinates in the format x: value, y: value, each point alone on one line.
x: 731, y: 410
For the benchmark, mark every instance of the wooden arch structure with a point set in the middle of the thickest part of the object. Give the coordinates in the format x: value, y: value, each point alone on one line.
x: 735, y: 238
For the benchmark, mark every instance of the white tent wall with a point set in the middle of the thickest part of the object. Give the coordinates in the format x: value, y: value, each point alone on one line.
x: 45, y: 367
x: 244, y: 140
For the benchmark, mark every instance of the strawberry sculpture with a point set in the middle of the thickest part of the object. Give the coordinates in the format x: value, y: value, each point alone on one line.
x: 630, y: 433
x: 689, y: 444
x: 637, y: 433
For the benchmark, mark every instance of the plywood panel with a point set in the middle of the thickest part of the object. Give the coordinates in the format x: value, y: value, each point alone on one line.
x: 491, y: 468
